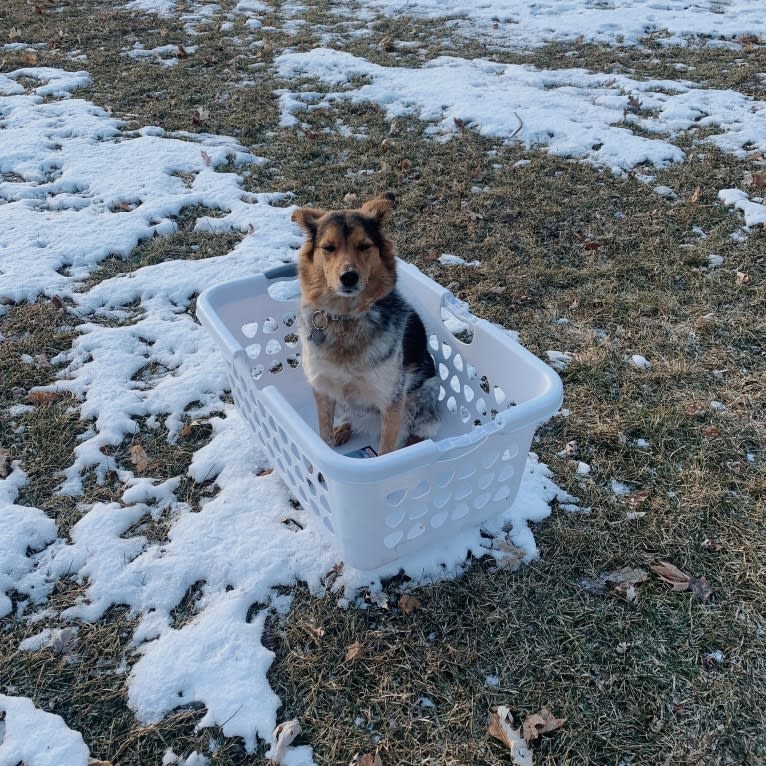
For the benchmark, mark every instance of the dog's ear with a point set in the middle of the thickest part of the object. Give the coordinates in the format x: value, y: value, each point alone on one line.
x: 307, y: 218
x: 380, y: 207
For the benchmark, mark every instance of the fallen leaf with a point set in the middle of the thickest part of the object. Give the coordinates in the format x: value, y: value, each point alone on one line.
x: 672, y: 575
x: 181, y: 52
x: 200, y: 115
x: 713, y: 660
x: 680, y: 581
x: 264, y: 472
x: 408, y: 604
x: 621, y: 582
x: 701, y: 588
x: 95, y: 762
x: 139, y: 458
x: 621, y: 579
x: 331, y: 576
x: 570, y: 449
x: 742, y: 278
x: 283, y: 737
x: 354, y: 652
x: 512, y: 556
x: 694, y: 410
x: 378, y: 598
x: 501, y: 727
x: 43, y: 397
x: 639, y: 497
x: 5, y: 463
x: 206, y: 158
x: 706, y: 320
x: 64, y: 640
x: 712, y: 547
x: 696, y: 195
x: 30, y: 58
x: 540, y: 723
x: 366, y: 759
x: 596, y: 586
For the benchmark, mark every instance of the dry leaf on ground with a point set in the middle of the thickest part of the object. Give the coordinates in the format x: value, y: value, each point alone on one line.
x: 621, y: 582
x: 368, y: 759
x: 409, y: 604
x: 283, y: 737
x: 64, y: 640
x: 512, y: 557
x: 501, y: 727
x: 540, y: 723
x: 331, y: 576
x: 680, y: 581
x: 139, y: 458
x: 355, y: 651
x: 43, y: 397
x: 5, y: 463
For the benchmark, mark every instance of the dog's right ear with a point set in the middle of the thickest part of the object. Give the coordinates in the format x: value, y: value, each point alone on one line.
x: 307, y: 218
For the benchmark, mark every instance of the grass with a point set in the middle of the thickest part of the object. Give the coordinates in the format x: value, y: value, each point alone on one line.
x: 573, y: 259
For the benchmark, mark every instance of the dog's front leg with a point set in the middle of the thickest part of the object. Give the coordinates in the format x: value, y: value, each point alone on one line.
x: 390, y: 427
x: 325, y: 416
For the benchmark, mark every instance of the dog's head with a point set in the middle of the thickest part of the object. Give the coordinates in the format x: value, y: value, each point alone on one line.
x: 347, y: 253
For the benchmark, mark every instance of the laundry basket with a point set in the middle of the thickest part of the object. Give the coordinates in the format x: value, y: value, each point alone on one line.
x: 494, y: 393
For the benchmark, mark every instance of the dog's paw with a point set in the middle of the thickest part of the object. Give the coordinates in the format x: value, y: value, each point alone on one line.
x: 341, y: 434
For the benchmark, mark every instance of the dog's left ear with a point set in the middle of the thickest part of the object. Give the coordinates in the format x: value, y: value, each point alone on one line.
x: 380, y: 207
x: 307, y: 218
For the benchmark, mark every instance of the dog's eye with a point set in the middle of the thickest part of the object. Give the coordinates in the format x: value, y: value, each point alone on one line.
x: 329, y: 248
x: 365, y: 246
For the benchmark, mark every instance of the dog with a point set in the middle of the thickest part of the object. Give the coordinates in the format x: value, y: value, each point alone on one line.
x: 364, y: 346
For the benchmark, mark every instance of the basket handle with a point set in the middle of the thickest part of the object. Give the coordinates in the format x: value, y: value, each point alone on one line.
x: 465, y: 444
x: 286, y: 271
x: 458, y: 308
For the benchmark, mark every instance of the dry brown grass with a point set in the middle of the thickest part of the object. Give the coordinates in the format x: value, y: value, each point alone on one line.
x: 627, y: 272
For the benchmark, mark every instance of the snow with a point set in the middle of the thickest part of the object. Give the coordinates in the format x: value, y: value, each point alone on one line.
x: 594, y: 118
x: 515, y: 24
x: 77, y: 187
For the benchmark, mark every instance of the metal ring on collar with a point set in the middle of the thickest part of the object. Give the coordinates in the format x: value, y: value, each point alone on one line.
x: 319, y: 320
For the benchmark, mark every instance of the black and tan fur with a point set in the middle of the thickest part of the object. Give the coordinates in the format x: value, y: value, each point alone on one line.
x: 364, y: 346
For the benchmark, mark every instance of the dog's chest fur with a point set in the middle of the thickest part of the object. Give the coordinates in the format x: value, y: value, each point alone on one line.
x: 359, y: 361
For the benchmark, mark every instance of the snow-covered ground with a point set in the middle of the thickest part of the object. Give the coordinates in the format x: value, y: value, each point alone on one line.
x: 76, y: 187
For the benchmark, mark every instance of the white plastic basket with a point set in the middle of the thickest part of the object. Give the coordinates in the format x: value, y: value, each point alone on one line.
x: 494, y: 393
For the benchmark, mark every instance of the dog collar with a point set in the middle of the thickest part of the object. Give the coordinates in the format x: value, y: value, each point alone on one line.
x: 320, y: 319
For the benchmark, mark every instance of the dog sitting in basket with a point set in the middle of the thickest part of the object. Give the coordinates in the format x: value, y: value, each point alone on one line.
x: 364, y: 346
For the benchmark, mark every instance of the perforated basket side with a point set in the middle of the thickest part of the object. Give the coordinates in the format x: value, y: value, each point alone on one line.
x: 288, y: 455
x: 379, y: 523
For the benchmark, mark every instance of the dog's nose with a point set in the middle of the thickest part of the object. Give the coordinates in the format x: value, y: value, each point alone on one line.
x: 349, y: 278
